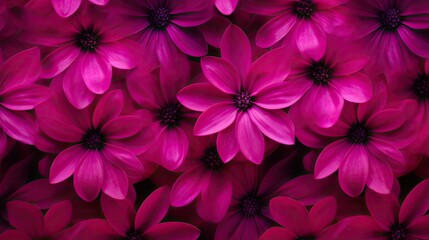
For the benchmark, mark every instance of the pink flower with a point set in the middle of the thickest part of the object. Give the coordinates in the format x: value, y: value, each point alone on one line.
x: 243, y: 101
x: 388, y: 219
x: 66, y: 8
x: 392, y: 29
x: 155, y: 90
x: 226, y: 7
x: 297, y: 222
x: 100, y: 146
x: 87, y: 46
x: 329, y: 81
x: 206, y: 176
x: 18, y: 94
x: 304, y: 23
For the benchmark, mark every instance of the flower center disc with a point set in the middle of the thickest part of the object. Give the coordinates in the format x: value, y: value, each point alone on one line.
x: 320, y: 74
x: 250, y: 206
x: 170, y: 115
x: 304, y: 8
x: 160, y: 18
x: 421, y: 88
x: 243, y: 100
x: 398, y: 232
x: 212, y: 159
x: 358, y: 133
x: 88, y: 40
x: 134, y: 235
x: 93, y: 139
x: 390, y: 19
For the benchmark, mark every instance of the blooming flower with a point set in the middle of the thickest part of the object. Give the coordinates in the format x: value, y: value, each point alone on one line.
x: 66, y: 8
x: 242, y: 100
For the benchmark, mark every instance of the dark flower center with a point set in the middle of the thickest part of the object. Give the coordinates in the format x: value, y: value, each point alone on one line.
x: 304, y: 8
x: 250, y: 206
x: 93, y: 139
x: 243, y: 100
x: 320, y: 74
x: 421, y: 88
x: 134, y: 235
x: 87, y: 40
x: 398, y: 232
x: 305, y: 238
x: 358, y: 133
x: 212, y: 160
x: 390, y: 19
x: 170, y: 115
x: 160, y: 18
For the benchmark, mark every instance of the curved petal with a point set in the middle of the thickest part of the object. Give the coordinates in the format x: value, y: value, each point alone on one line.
x: 239, y: 57
x: 355, y: 88
x: 18, y: 125
x: 173, y: 144
x: 250, y: 139
x: 278, y: 233
x: 96, y: 72
x: 188, y: 40
x: 58, y: 60
x: 75, y: 88
x: 65, y: 163
x: 115, y: 181
x: 201, y: 96
x: 172, y: 230
x: 290, y: 214
x: 282, y: 95
x: 331, y: 158
x: 386, y: 120
x: 12, y: 73
x: 153, y: 209
x: 311, y: 39
x: 14, y: 234
x: 57, y: 218
x: 380, y: 176
x: 119, y: 213
x: 122, y: 54
x: 65, y: 8
x: 221, y: 74
x: 215, y: 119
x: 26, y: 218
x: 414, y: 41
x: 322, y: 214
x: 99, y: 2
x: 109, y: 107
x: 122, y: 127
x: 123, y: 159
x: 24, y: 97
x: 186, y: 188
x: 416, y: 204
x: 226, y: 7
x: 227, y: 144
x: 88, y: 177
x: 384, y: 208
x: 353, y: 172
x: 275, y: 30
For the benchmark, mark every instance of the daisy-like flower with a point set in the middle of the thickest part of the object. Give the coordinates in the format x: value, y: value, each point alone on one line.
x: 393, y: 29
x: 297, y: 222
x: 243, y: 101
x: 66, y: 8
x: 99, y: 147
x: 87, y: 47
x: 389, y: 220
x: 304, y: 23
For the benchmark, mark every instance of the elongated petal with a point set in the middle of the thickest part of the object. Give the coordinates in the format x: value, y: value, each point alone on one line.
x: 278, y: 233
x: 311, y: 39
x: 291, y: 214
x: 26, y: 218
x: 249, y: 138
x: 122, y: 127
x: 221, y: 74
x: 190, y: 41
x: 186, y: 188
x: 89, y: 175
x: 121, y: 54
x: 24, y: 97
x: 353, y: 172
x: 18, y: 125
x: 57, y: 218
x: 119, y: 213
x: 201, y: 96
x: 65, y: 8
x: 123, y: 159
x: 115, y: 181
x: 322, y: 214
x: 226, y: 7
x: 275, y: 30
x: 153, y: 209
x: 384, y: 208
x: 416, y: 203
x: 215, y: 119
x: 75, y: 88
x: 14, y: 234
x: 99, y: 2
x: 12, y: 73
x: 331, y: 158
x: 173, y: 144
x: 282, y: 95
x: 173, y: 230
x: 109, y: 107
x: 58, y: 60
x: 380, y: 176
x: 227, y: 144
x: 240, y: 58
x: 96, y: 72
x: 415, y: 41
x: 65, y: 163
x: 354, y: 88
x: 386, y: 120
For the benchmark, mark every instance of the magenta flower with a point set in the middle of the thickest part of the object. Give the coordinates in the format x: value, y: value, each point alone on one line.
x: 392, y: 29
x: 18, y: 94
x: 297, y: 222
x: 30, y: 223
x: 206, y: 176
x: 226, y: 7
x: 99, y: 147
x: 388, y: 219
x: 243, y: 101
x: 86, y: 49
x: 367, y: 137
x: 304, y: 23
x: 165, y: 25
x: 155, y: 90
x: 66, y: 8
x: 328, y: 82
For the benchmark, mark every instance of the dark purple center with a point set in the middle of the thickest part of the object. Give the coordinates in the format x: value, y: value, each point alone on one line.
x: 93, y: 139
x: 160, y: 18
x: 243, y: 100
x: 358, y: 133
x: 398, y: 232
x: 212, y: 159
x: 421, y: 88
x: 134, y: 235
x: 87, y: 40
x: 319, y: 73
x: 250, y: 206
x: 390, y: 19
x: 304, y: 8
x: 170, y: 115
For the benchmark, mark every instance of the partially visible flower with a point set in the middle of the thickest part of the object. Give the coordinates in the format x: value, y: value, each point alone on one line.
x: 226, y: 7
x: 66, y: 8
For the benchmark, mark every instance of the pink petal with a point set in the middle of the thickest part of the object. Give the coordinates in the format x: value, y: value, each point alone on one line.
x: 88, y: 177
x: 290, y: 214
x: 275, y: 30
x: 18, y: 125
x: 123, y: 159
x: 385, y: 151
x: 122, y: 54
x: 386, y: 120
x: 75, y: 88
x: 174, y: 145
x: 355, y: 88
x: 241, y: 57
x: 357, y: 228
x: 322, y: 214
x: 282, y: 95
x: 165, y: 48
x: 108, y: 108
x: 153, y: 209
x: 418, y: 229
x: 99, y: 2
x: 13, y: 234
x: 201, y: 96
x: 122, y: 127
x: 249, y: 138
x: 213, y: 30
x: 278, y: 233
x: 60, y: 130
x: 65, y: 8
x: 24, y: 97
x: 353, y: 172
x: 58, y: 60
x: 221, y: 74
x: 226, y: 7
x: 96, y: 72
x: 227, y: 144
x: 416, y: 204
x: 274, y: 124
x: 12, y: 74
x: 415, y: 41
x: 331, y: 158
x: 26, y: 218
x: 119, y: 213
x: 186, y: 188
x: 380, y: 177
x: 350, y: 66
x: 188, y: 40
x: 215, y: 119
x: 172, y: 230
x: 384, y: 208
x: 65, y: 163
x: 115, y: 181
x: 311, y: 39
x: 57, y: 218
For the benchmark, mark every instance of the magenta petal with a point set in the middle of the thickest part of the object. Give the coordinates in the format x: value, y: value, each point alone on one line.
x: 418, y: 229
x: 311, y: 39
x: 24, y: 97
x: 65, y: 163
x: 415, y: 41
x: 109, y: 107
x: 57, y: 218
x: 350, y: 66
x: 11, y: 71
x: 250, y: 139
x: 291, y: 214
x: 416, y: 204
x: 201, y: 96
x: 227, y: 144
x: 153, y: 209
x: 355, y: 88
x: 75, y: 89
x: 99, y: 2
x: 65, y: 8
x: 26, y: 218
x: 14, y: 234
x: 174, y: 145
x: 190, y: 41
x: 119, y: 213
x: 172, y: 230
x: 322, y: 214
x: 274, y: 124
x: 226, y: 7
x: 221, y: 74
x: 278, y: 233
x: 380, y: 177
x: 186, y: 188
x: 240, y: 58
x: 123, y: 159
x: 282, y: 95
x: 386, y: 120
x: 215, y: 119
x: 115, y: 181
x: 122, y: 54
x: 384, y: 208
x: 18, y: 125
x: 353, y: 172
x: 385, y: 151
x: 59, y: 60
x: 88, y: 177
x: 122, y: 127
x: 331, y: 158
x: 96, y: 72
x: 275, y: 30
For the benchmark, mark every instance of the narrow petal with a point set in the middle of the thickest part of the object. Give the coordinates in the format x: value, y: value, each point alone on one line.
x: 250, y: 139
x: 349, y: 67
x: 278, y: 233
x: 109, y: 107
x: 173, y: 230
x: 12, y: 74
x: 380, y: 176
x: 122, y: 127
x: 89, y: 175
x: 14, y: 234
x: 119, y: 213
x: 240, y: 58
x: 221, y: 74
x: 419, y: 228
x: 274, y: 124
x: 355, y: 88
x: 227, y: 144
x: 201, y: 96
x: 275, y: 30
x: 19, y: 125
x: 384, y: 208
x: 226, y: 7
x: 58, y: 60
x: 75, y: 88
x: 122, y: 54
x: 386, y: 120
x: 65, y: 8
x: 215, y: 119
x: 290, y: 214
x: 415, y: 41
x: 65, y: 163
x: 353, y: 172
x: 331, y: 158
x: 26, y: 218
x: 153, y: 209
x: 174, y: 146
x: 282, y: 95
x: 385, y: 151
x: 24, y: 97
x: 57, y: 218
x: 311, y: 39
x: 186, y: 188
x: 322, y: 214
x: 115, y: 181
x: 190, y: 41
x: 416, y: 204
x: 99, y: 2
x: 123, y: 159
x: 96, y: 72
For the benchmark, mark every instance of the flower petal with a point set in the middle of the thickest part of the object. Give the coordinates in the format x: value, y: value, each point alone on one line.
x: 322, y: 214
x: 275, y: 30
x: 173, y: 144
x: 416, y: 204
x: 384, y: 208
x: 12, y: 74
x: 240, y: 58
x: 88, y: 177
x: 188, y: 40
x: 186, y: 188
x: 290, y: 214
x: 221, y: 74
x: 119, y: 213
x: 250, y: 139
x: 172, y: 230
x: 355, y: 88
x: 57, y: 218
x: 353, y: 172
x: 58, y: 60
x: 282, y: 95
x: 65, y: 163
x: 65, y: 8
x: 96, y: 72
x: 227, y: 144
x: 226, y: 7
x: 278, y: 233
x: 26, y: 218
x: 415, y: 41
x: 201, y: 96
x: 215, y: 119
x: 380, y: 176
x: 109, y: 107
x: 122, y: 127
x: 122, y: 54
x: 153, y: 209
x: 75, y: 88
x: 24, y: 97
x: 19, y: 125
x: 115, y: 181
x: 311, y: 39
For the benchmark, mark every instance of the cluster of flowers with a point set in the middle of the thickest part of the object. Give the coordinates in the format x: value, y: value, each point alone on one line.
x: 214, y: 119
